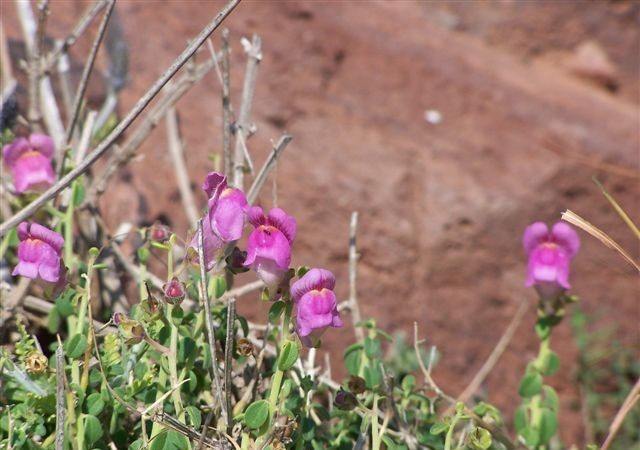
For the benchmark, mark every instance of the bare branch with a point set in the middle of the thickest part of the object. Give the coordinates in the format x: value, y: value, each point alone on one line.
x: 353, y: 277
x: 242, y: 126
x: 177, y: 157
x: 86, y: 73
x: 122, y: 126
x: 228, y: 360
x: 60, y: 408
x: 217, y: 389
x: 226, y: 106
x: 269, y: 164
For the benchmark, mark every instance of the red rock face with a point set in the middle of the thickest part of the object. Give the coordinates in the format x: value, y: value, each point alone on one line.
x: 442, y: 203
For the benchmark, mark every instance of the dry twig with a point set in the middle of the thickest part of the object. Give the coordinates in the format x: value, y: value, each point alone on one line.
x: 176, y: 150
x: 267, y: 167
x: 123, y: 125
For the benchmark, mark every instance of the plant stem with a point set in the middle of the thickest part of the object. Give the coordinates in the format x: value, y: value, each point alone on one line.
x: 449, y: 438
x: 276, y: 381
x: 375, y: 436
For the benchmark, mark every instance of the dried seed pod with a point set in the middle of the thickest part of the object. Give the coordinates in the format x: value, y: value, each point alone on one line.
x: 244, y: 347
x: 36, y: 362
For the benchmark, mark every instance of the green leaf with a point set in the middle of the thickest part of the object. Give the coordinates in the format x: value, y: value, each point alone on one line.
x: 408, y: 383
x: 288, y: 355
x: 520, y: 419
x: 92, y: 429
x: 53, y: 322
x: 95, y: 404
x: 372, y: 376
x: 170, y: 440
x: 276, y: 311
x: 256, y: 414
x: 479, y: 439
x: 550, y: 398
x: 194, y: 416
x: 219, y: 286
x: 439, y: 428
x: 530, y: 435
x: 551, y: 363
x: 64, y: 306
x: 372, y: 348
x: 548, y: 425
x: 353, y: 359
x: 530, y: 385
x: 76, y: 346
x: 78, y: 194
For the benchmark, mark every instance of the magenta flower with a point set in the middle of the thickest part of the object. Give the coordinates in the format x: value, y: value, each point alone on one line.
x: 549, y: 256
x: 224, y: 220
x: 269, y: 245
x: 30, y: 162
x: 316, y: 305
x: 39, y: 253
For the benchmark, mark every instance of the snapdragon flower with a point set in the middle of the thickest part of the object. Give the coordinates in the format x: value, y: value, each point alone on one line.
x: 316, y: 305
x: 29, y: 160
x: 269, y: 245
x: 224, y: 220
x: 39, y: 253
x: 550, y: 254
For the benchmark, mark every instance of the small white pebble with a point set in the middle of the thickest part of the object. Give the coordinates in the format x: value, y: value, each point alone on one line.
x: 434, y: 117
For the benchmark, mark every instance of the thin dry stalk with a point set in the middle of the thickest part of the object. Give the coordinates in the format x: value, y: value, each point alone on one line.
x: 176, y: 150
x: 228, y: 360
x: 155, y: 114
x: 495, y: 354
x: 627, y: 406
x: 226, y: 106
x: 84, y: 80
x: 242, y: 126
x: 60, y: 396
x: 123, y: 125
x: 616, y: 206
x: 82, y: 25
x: 41, y: 93
x: 573, y: 218
x: 267, y: 167
x: 216, y: 386
x: 5, y: 64
x: 353, y: 276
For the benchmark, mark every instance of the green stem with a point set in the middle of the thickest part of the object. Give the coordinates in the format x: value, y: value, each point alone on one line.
x: 448, y: 441
x: 276, y: 381
x: 68, y: 229
x: 375, y: 435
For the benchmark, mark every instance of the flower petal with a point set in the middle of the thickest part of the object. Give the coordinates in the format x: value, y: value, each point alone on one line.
x: 43, y: 144
x: 268, y: 242
x: 227, y: 219
x: 534, y: 235
x: 32, y: 172
x: 13, y: 151
x: 214, y: 184
x: 564, y: 235
x: 283, y: 222
x: 550, y: 264
x: 55, y: 240
x: 316, y: 310
x: 256, y: 216
x: 314, y: 279
x: 211, y: 244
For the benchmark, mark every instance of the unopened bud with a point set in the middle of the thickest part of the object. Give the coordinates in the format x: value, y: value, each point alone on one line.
x: 158, y: 232
x: 357, y: 385
x: 174, y: 291
x: 131, y: 330
x: 235, y: 261
x: 345, y: 400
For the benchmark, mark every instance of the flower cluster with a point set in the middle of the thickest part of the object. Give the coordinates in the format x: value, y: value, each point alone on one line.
x: 550, y: 253
x: 29, y: 160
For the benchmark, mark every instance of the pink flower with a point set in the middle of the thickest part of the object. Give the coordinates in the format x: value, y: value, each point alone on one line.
x: 269, y: 245
x: 549, y: 256
x: 39, y: 253
x: 316, y: 305
x: 30, y: 162
x: 224, y: 220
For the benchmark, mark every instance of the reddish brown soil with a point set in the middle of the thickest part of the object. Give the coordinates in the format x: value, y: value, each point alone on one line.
x: 442, y: 207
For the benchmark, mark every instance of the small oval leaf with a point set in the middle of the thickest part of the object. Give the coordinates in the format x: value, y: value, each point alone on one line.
x: 256, y: 414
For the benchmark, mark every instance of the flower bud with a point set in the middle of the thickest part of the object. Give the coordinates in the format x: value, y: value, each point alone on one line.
x: 174, y: 291
x: 357, y: 385
x: 36, y: 362
x: 158, y: 232
x: 345, y: 400
x: 236, y: 260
